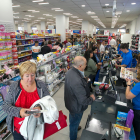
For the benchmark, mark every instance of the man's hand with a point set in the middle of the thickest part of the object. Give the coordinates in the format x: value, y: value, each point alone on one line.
x: 92, y: 96
x: 23, y: 114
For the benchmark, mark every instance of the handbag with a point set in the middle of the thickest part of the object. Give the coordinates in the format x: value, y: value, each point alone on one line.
x: 50, y: 129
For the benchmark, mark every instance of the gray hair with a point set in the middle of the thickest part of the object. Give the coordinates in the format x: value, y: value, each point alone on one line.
x: 45, y: 43
x: 79, y: 60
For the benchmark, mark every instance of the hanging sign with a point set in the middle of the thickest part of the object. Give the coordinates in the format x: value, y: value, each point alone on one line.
x: 76, y: 31
x: 84, y: 31
x: 106, y: 32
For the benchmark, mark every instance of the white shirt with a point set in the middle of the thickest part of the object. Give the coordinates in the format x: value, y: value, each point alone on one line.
x: 113, y: 42
x: 102, y: 48
x: 36, y: 49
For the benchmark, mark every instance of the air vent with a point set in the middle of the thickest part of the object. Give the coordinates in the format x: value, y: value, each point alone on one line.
x: 25, y: 11
x: 106, y: 7
x: 108, y: 17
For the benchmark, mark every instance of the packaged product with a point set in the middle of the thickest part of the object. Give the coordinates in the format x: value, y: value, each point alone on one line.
x: 2, y: 36
x: 7, y: 36
x: 8, y: 45
x: 15, y: 56
x: 12, y: 35
x: 13, y: 41
x: 14, y: 48
x: 15, y: 61
x: 1, y: 46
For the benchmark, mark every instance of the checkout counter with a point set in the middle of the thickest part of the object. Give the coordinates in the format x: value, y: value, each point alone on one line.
x: 103, y: 115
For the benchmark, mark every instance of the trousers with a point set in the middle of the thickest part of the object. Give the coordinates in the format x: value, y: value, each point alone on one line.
x: 17, y: 136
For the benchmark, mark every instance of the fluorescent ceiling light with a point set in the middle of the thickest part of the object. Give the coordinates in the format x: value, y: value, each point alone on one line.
x: 68, y: 14
x: 59, y: 10
x: 83, y: 5
x: 90, y: 13
x: 37, y: 0
x: 16, y: 17
x: 74, y: 17
x: 106, y: 4
x: 31, y: 16
x: 41, y: 18
x: 16, y: 6
x: 94, y: 16
x: 25, y: 18
x: 16, y: 13
x: 37, y: 20
x: 56, y: 8
x: 35, y: 11
x: 133, y: 3
x: 29, y: 19
x: 127, y: 10
x: 28, y: 15
x: 107, y: 11
x: 79, y: 19
x: 31, y: 10
x: 43, y: 3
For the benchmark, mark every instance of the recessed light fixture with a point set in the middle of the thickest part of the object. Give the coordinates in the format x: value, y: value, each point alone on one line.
x: 79, y: 19
x: 106, y: 4
x: 28, y: 15
x: 37, y: 20
x: 35, y: 11
x: 41, y: 18
x: 37, y: 0
x: 47, y: 14
x: 31, y: 10
x: 107, y: 11
x: 15, y: 17
x: 133, y: 3
x: 94, y: 16
x: 127, y: 10
x: 16, y: 6
x: 43, y: 3
x: 83, y: 5
x: 56, y: 8
x: 68, y: 14
x: 59, y: 10
x: 16, y: 13
x: 90, y: 13
x: 74, y: 17
x: 31, y: 16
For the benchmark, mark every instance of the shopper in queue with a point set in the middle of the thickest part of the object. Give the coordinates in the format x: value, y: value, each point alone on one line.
x: 50, y: 44
x: 42, y: 44
x: 127, y: 56
x: 91, y: 68
x: 134, y: 94
x: 68, y: 43
x: 76, y: 94
x: 56, y: 46
x: 35, y: 50
x: 22, y: 94
x: 102, y: 47
x: 45, y: 49
x: 119, y: 44
x: 113, y: 42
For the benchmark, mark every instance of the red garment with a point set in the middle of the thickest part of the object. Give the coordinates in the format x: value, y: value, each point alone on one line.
x: 50, y: 45
x: 25, y: 100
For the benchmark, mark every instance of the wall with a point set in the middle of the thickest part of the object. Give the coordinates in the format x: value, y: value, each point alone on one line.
x: 6, y: 12
x: 132, y: 26
x: 111, y: 30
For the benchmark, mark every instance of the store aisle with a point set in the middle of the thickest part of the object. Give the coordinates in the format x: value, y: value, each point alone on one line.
x: 64, y: 134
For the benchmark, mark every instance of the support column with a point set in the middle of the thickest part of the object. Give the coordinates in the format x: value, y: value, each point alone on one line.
x: 27, y: 27
x: 85, y: 27
x: 6, y: 12
x: 91, y: 29
x: 62, y: 23
x: 43, y: 27
x: 94, y: 30
x: 16, y: 27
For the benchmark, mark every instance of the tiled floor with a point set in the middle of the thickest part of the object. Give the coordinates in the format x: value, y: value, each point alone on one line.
x: 64, y: 134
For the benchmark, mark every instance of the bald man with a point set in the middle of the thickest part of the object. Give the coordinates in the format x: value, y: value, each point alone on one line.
x: 77, y: 94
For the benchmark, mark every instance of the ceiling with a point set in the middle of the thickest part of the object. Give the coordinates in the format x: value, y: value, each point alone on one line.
x: 74, y: 7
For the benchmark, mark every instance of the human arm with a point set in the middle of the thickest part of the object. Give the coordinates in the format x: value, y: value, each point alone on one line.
x: 128, y: 93
x: 120, y: 65
x: 93, y: 65
x: 132, y: 69
x: 9, y: 106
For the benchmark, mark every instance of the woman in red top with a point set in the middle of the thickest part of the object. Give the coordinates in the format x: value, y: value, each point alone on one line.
x: 28, y: 90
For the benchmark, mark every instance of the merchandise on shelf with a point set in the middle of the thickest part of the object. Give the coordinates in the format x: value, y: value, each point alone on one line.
x: 135, y: 42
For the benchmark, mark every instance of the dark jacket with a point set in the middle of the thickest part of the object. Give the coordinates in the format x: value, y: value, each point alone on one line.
x: 42, y: 44
x: 45, y: 49
x: 61, y: 45
x: 11, y: 98
x: 76, y: 92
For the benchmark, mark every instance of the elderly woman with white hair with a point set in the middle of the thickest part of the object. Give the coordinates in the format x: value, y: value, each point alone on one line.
x: 22, y: 94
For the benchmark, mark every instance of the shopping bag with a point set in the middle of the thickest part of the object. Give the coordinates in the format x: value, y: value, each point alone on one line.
x: 50, y: 129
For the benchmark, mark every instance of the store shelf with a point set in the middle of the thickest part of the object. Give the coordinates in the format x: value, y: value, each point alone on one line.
x: 24, y: 51
x: 59, y: 82
x: 55, y: 91
x: 56, y: 36
x: 3, y: 119
x: 25, y: 45
x: 4, y: 127
x: 34, y: 38
x: 24, y: 56
x: 8, y: 135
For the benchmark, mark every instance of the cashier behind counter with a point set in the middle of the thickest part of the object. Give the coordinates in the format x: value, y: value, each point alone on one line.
x: 126, y: 56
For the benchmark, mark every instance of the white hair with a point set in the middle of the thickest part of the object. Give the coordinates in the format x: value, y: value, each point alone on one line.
x: 79, y: 61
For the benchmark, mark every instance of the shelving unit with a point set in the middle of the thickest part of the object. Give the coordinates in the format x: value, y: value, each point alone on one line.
x: 24, y: 55
x: 24, y: 51
x: 25, y: 45
x: 135, y: 42
x: 100, y: 38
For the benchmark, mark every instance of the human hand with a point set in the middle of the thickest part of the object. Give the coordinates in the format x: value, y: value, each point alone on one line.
x: 92, y: 96
x: 129, y: 82
x: 129, y: 69
x: 38, y: 114
x: 23, y: 112
x: 116, y: 65
x: 135, y: 80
